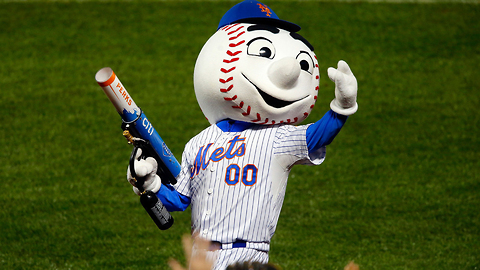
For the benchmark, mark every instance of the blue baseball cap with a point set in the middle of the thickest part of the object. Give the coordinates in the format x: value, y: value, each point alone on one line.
x: 251, y: 11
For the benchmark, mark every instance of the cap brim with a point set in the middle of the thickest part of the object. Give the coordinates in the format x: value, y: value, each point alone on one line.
x: 271, y: 21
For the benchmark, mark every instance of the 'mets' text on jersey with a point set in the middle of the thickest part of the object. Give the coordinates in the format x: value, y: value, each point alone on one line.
x: 237, y: 179
x: 202, y: 160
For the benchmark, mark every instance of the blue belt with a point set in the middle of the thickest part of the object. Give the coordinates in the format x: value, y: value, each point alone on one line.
x: 239, y: 244
x: 215, y: 245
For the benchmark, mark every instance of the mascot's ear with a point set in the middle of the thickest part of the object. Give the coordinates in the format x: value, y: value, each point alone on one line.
x: 255, y: 12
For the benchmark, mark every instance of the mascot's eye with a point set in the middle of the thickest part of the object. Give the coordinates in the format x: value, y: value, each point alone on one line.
x: 265, y: 52
x: 261, y: 47
x: 306, y: 62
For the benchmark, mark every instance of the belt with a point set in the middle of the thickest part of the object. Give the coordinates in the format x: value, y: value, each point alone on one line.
x: 260, y: 246
x: 215, y: 245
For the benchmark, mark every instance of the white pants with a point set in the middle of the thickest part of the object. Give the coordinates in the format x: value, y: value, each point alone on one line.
x: 225, y: 257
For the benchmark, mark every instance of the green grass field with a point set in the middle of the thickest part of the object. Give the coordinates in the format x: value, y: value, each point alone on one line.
x: 400, y: 188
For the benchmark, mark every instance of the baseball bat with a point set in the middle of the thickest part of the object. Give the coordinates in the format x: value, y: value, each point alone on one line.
x: 138, y: 131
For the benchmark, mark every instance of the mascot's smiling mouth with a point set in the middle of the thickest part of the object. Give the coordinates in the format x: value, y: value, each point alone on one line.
x: 272, y: 101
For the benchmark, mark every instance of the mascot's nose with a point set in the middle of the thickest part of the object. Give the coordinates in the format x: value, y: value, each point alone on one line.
x: 284, y: 72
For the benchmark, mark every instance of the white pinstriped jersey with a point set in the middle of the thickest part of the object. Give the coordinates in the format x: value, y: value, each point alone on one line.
x: 237, y: 180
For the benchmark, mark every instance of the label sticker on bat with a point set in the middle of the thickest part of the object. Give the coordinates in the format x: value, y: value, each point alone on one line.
x: 166, y: 151
x: 147, y: 126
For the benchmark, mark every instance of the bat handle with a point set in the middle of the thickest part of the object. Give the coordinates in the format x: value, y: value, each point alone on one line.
x: 157, y: 211
x: 149, y: 200
x: 139, y: 181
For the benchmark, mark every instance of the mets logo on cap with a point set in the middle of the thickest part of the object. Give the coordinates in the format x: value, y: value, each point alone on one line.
x: 265, y: 9
x: 251, y: 11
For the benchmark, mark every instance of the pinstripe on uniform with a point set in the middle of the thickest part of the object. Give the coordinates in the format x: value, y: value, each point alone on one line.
x: 237, y: 181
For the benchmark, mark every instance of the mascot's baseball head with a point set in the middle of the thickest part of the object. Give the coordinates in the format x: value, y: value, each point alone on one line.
x: 256, y: 68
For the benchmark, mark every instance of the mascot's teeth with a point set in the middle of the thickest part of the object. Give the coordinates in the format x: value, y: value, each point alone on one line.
x: 272, y: 101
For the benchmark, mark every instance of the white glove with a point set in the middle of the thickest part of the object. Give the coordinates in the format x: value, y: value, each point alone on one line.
x: 345, y: 101
x: 145, y: 168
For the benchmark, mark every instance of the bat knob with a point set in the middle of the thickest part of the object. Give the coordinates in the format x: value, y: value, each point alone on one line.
x: 156, y: 210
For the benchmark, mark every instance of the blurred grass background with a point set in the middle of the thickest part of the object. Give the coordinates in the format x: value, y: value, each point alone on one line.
x: 400, y: 188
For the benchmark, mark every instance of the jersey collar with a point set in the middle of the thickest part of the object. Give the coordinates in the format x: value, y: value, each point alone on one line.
x: 229, y: 125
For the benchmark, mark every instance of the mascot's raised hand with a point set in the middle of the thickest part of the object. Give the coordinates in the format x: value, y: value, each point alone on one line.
x: 145, y: 168
x: 345, y: 101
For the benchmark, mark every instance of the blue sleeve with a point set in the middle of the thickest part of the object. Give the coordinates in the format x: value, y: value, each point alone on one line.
x: 172, y: 200
x: 324, y: 130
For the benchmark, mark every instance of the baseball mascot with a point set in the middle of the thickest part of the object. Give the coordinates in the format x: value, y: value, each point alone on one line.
x: 256, y: 79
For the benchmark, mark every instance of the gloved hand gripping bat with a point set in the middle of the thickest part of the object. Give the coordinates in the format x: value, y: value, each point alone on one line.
x: 142, y: 135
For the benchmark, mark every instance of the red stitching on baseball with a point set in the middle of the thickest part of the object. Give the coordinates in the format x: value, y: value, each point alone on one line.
x: 225, y: 90
x: 247, y: 112
x: 231, y: 60
x: 238, y: 106
x: 227, y: 70
x: 233, y: 53
x: 225, y: 81
x: 230, y: 99
x: 289, y: 121
x: 235, y: 30
x: 258, y: 118
x: 231, y: 26
x: 236, y: 44
x: 235, y: 37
